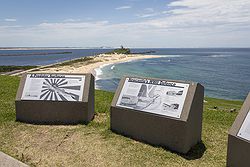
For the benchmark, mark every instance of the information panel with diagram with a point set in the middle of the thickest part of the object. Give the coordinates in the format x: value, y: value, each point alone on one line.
x: 153, y: 96
x: 53, y: 87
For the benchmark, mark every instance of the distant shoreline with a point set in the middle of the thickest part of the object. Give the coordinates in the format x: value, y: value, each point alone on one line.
x: 58, y: 48
x: 50, y: 48
x: 89, y: 64
x: 35, y: 54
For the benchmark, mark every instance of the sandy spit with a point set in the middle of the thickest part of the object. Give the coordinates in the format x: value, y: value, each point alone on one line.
x: 89, y: 66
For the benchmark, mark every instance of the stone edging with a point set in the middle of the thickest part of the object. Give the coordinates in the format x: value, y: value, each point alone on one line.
x: 8, y: 161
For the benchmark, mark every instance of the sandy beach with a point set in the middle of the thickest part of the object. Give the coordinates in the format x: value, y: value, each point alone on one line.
x: 93, y: 62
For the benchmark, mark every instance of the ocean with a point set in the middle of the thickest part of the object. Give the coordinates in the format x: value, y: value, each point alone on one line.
x: 225, y: 73
x: 40, y: 57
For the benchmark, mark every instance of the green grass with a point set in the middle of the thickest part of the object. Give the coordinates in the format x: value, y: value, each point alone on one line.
x: 12, y: 68
x: 96, y: 145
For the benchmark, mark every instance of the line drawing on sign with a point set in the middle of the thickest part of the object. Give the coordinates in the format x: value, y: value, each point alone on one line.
x: 53, y: 87
x: 58, y: 88
x: 165, y: 99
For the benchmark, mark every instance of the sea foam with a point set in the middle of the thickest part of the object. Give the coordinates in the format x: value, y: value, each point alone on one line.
x: 217, y: 56
x: 99, y: 72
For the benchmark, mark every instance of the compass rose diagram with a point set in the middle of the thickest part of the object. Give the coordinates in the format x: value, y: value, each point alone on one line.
x: 59, y: 90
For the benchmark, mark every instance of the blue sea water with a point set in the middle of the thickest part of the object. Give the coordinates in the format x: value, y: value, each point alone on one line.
x: 225, y: 73
x: 30, y: 59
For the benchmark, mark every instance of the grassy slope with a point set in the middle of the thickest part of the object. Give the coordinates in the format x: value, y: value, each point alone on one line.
x: 12, y: 68
x: 96, y: 145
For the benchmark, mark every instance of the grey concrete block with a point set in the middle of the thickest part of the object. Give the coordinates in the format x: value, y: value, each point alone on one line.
x: 238, y: 148
x: 177, y: 134
x: 57, y: 112
x: 8, y: 161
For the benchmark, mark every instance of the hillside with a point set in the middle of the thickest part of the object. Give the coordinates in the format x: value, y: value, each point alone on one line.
x: 96, y: 145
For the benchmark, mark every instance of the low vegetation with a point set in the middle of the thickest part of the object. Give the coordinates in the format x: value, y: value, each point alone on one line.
x: 95, y: 144
x: 121, y: 50
x: 86, y: 60
x: 13, y: 68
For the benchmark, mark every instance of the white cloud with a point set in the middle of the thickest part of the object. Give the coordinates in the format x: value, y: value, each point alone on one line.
x: 148, y: 12
x: 146, y: 15
x: 123, y: 7
x: 72, y: 20
x: 211, y: 13
x: 71, y: 26
x: 10, y: 20
x: 149, y: 9
x: 187, y: 23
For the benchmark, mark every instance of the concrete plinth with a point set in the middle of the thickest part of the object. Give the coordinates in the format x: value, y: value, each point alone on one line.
x: 177, y: 132
x: 238, y: 148
x: 61, y: 100
x: 8, y: 161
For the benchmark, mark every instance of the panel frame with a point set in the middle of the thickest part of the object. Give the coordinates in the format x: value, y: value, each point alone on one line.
x: 173, y: 116
x: 177, y: 134
x: 187, y: 102
x: 25, y: 87
x: 57, y: 112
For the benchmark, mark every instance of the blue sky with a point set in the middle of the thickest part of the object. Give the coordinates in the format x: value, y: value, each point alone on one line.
x: 132, y: 23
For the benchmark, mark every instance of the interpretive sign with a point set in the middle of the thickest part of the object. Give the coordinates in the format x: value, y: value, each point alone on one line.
x: 153, y: 96
x: 238, y: 149
x: 160, y: 112
x: 55, y: 87
x: 244, y: 131
x: 55, y: 98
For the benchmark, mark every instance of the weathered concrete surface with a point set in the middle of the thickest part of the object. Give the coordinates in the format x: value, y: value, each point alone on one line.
x: 176, y: 134
x: 238, y: 149
x: 57, y: 112
x: 8, y: 161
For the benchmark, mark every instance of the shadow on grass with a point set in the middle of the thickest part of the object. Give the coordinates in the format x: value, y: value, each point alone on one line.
x: 195, y: 152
